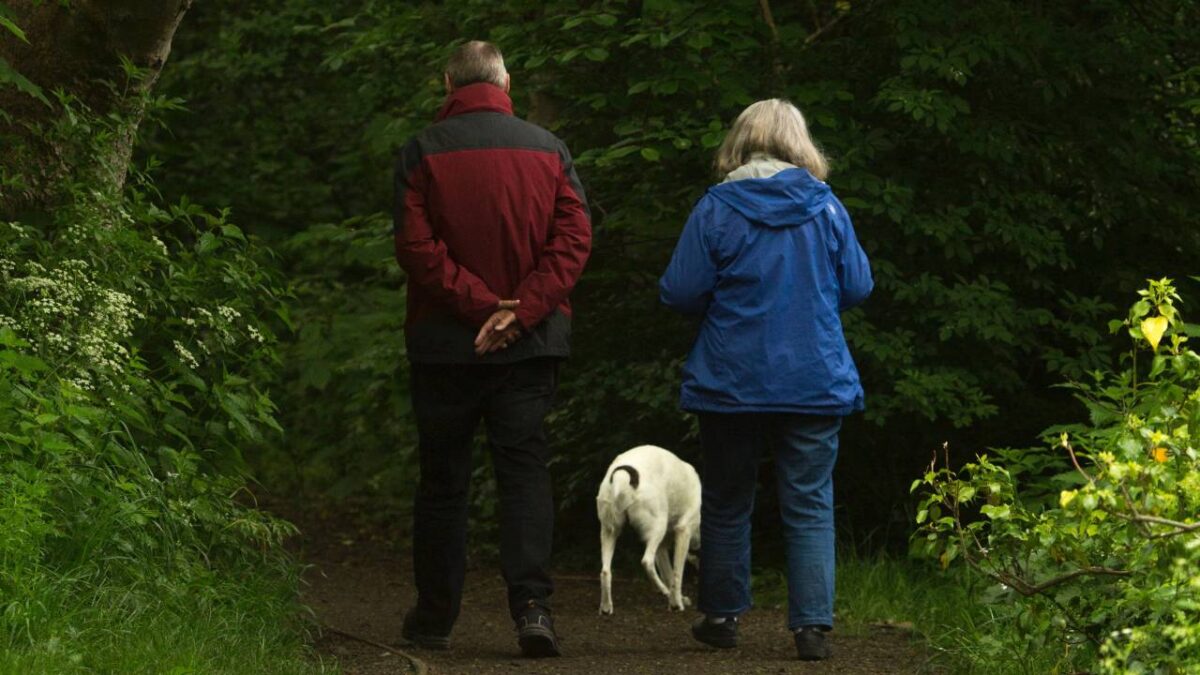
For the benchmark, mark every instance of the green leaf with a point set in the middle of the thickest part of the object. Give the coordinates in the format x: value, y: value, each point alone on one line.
x: 1157, y: 366
x: 650, y: 154
x: 233, y: 232
x: 22, y: 363
x: 207, y: 243
x: 9, y: 75
x: 638, y: 87
x: 596, y: 54
x: 996, y: 512
x: 13, y: 28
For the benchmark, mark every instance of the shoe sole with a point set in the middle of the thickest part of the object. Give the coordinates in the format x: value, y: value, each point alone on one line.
x: 432, y: 642
x: 538, y: 643
x: 814, y: 653
x: 718, y: 643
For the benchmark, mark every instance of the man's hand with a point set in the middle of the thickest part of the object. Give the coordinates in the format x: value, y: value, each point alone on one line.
x: 499, y: 331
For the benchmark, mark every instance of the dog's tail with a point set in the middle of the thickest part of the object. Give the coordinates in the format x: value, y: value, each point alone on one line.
x: 623, y: 478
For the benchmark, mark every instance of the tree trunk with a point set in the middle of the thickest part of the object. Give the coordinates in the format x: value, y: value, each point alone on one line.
x: 77, y: 48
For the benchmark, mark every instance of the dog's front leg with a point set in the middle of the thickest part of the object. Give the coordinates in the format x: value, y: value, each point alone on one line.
x: 608, y: 542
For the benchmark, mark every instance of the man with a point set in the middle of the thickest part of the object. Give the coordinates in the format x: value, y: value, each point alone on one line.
x: 493, y: 230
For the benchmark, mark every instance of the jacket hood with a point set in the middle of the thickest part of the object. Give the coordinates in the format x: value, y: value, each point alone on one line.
x: 772, y: 193
x: 478, y: 97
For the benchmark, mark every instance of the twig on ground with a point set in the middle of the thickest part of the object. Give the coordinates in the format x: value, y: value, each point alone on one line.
x: 418, y: 665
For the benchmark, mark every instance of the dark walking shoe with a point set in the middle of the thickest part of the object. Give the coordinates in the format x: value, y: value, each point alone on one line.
x: 417, y: 634
x: 535, y: 633
x: 811, y: 644
x: 716, y: 632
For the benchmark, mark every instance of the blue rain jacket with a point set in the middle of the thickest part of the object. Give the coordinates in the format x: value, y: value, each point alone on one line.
x: 769, y: 263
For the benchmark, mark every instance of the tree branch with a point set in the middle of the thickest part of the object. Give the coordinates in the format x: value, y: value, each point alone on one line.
x: 1180, y: 527
x: 777, y: 67
x: 822, y: 29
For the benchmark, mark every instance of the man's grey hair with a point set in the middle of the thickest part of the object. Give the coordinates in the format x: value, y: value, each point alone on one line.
x: 476, y: 61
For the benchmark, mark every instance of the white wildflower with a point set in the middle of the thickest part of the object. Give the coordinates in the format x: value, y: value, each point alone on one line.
x: 186, y: 356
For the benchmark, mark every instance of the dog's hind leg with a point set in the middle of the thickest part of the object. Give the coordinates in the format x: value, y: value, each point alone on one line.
x: 683, y: 535
x: 662, y: 562
x: 654, y: 538
x: 608, y: 542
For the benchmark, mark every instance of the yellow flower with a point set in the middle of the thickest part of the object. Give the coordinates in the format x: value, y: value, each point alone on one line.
x: 1160, y: 454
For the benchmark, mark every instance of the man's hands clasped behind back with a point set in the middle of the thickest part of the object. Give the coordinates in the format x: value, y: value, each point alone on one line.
x: 500, y: 330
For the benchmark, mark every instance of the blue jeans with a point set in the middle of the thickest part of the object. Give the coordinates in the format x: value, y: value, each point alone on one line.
x: 805, y: 449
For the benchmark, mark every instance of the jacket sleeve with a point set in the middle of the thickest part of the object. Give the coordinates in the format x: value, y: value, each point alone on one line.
x: 853, y: 269
x: 566, y: 251
x: 687, y: 285
x: 424, y: 257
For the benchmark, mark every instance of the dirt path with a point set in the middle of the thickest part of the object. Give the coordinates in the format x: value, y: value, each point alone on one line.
x: 358, y: 584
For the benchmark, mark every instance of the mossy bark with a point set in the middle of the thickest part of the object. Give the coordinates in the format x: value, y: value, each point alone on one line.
x: 77, y: 48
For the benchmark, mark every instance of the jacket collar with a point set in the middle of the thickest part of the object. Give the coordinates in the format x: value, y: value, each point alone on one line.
x: 478, y: 97
x: 761, y: 165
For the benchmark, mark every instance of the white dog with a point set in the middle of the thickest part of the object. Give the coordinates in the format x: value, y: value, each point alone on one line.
x: 658, y: 493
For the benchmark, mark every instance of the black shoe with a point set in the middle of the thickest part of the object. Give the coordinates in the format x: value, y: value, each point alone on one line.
x: 535, y: 633
x: 416, y: 633
x: 719, y: 633
x: 811, y: 644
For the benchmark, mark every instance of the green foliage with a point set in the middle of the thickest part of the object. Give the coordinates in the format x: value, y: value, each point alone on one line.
x: 343, y: 382
x: 1012, y: 170
x: 135, y: 354
x: 1095, y: 536
x: 9, y: 75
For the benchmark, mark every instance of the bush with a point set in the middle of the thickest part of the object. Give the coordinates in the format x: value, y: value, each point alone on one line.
x: 344, y: 387
x: 1095, y: 535
x: 135, y: 352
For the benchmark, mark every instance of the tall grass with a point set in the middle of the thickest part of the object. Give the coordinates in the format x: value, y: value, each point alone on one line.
x: 946, y: 612
x: 194, y: 621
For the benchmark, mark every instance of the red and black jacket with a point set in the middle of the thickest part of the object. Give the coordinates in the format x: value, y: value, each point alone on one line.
x: 488, y: 207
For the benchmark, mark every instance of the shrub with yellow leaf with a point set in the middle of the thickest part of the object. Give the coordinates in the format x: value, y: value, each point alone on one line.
x: 1107, y: 567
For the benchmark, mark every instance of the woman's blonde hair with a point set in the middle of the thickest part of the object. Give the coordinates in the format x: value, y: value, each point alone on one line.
x: 774, y: 127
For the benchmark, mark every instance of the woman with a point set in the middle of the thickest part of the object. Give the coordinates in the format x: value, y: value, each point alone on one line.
x: 768, y: 259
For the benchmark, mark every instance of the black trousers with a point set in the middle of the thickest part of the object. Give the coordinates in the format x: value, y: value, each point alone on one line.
x: 512, y: 400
